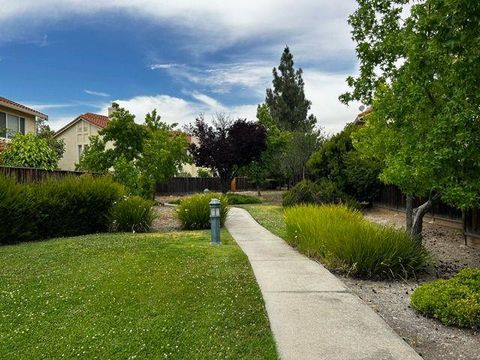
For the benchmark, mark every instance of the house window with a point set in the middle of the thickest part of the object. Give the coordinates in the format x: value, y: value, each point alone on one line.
x: 80, y: 150
x: 3, y: 125
x: 11, y: 125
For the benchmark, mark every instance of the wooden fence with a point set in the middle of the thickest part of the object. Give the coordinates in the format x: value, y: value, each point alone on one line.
x: 391, y: 197
x: 186, y: 185
x: 26, y: 175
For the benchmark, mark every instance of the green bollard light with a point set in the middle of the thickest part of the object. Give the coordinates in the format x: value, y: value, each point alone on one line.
x: 215, y: 221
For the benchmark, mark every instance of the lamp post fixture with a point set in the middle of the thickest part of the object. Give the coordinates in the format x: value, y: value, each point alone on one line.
x: 215, y: 221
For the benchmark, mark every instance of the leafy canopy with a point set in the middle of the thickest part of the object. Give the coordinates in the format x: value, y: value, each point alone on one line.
x: 338, y: 161
x: 227, y: 146
x: 29, y: 150
x: 420, y: 72
x: 141, y: 155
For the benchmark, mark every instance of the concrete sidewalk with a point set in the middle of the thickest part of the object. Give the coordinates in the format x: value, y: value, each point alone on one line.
x: 312, y: 314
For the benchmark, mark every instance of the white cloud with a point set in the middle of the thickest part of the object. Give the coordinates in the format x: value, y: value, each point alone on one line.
x: 323, y: 90
x: 222, y: 78
x: 208, y: 101
x: 318, y: 27
x: 43, y: 107
x: 171, y: 109
x: 162, y: 66
x: 96, y: 93
x: 181, y: 111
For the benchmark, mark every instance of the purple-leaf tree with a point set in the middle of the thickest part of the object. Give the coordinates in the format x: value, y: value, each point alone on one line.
x: 226, y: 146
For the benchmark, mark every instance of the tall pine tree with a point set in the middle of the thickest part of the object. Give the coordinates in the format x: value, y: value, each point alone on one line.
x: 286, y: 101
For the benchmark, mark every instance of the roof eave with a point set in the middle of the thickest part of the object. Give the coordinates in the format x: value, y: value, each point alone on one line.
x: 24, y: 109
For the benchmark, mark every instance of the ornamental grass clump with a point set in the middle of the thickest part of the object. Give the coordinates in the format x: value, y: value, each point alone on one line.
x: 194, y: 211
x: 455, y: 301
x: 132, y: 214
x: 343, y: 240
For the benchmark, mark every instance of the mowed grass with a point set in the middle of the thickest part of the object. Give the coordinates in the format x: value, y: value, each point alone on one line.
x: 270, y: 217
x: 125, y: 296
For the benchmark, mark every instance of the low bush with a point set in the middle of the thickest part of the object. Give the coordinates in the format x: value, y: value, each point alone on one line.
x: 455, y: 301
x: 132, y: 214
x: 240, y: 199
x: 322, y: 192
x: 343, y: 240
x: 55, y: 208
x: 305, y: 192
x: 194, y: 211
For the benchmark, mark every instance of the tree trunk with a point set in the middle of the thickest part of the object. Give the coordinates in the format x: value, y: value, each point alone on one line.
x: 418, y: 215
x: 409, y: 213
x: 258, y: 189
x: 225, y: 184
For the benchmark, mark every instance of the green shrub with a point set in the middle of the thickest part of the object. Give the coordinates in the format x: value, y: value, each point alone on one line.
x: 322, y: 192
x: 305, y: 192
x: 74, y: 205
x: 204, y: 173
x: 194, y: 211
x: 239, y: 199
x: 132, y: 214
x: 67, y: 207
x: 16, y: 205
x: 455, y: 301
x: 343, y: 240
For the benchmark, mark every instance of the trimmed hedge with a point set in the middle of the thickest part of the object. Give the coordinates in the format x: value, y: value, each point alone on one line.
x: 55, y: 208
x: 194, y: 211
x: 342, y: 239
x: 455, y: 301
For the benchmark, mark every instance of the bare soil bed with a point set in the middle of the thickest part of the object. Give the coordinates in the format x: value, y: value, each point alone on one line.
x: 391, y: 300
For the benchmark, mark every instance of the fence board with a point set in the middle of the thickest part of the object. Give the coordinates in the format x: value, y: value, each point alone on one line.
x: 26, y: 175
x: 187, y: 185
x: 391, y: 197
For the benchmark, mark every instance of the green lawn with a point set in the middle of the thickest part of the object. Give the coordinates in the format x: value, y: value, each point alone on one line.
x: 128, y: 296
x: 269, y: 216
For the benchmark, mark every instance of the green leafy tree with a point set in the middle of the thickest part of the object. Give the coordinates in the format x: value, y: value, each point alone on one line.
x: 204, y: 173
x: 338, y: 161
x: 139, y: 156
x: 29, y: 150
x: 44, y: 132
x: 164, y: 152
x: 420, y: 72
x: 270, y: 163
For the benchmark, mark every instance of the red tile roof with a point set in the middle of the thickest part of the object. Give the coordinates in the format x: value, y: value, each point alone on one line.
x: 100, y: 121
x: 18, y: 106
x: 95, y: 119
x: 360, y: 119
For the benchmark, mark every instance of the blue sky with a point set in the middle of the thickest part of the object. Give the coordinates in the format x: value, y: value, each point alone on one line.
x: 183, y: 57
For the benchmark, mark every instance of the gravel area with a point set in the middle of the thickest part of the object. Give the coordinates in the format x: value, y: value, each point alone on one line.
x: 390, y: 299
x: 167, y: 219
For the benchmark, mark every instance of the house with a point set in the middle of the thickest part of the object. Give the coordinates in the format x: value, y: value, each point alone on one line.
x: 360, y: 119
x: 17, y: 118
x: 76, y: 135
